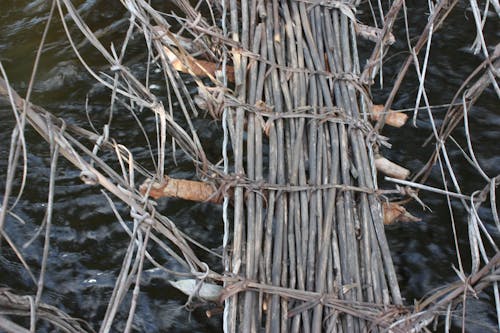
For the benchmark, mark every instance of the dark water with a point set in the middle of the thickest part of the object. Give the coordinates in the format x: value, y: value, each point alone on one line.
x: 88, y: 244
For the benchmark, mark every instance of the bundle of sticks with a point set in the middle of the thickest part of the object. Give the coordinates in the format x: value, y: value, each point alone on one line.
x: 312, y: 219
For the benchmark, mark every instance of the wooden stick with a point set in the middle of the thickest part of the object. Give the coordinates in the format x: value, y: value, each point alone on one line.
x: 374, y: 34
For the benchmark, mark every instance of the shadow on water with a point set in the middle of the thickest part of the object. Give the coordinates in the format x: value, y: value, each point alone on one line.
x: 87, y: 243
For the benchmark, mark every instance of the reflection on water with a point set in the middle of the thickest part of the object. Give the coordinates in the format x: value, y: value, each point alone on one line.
x: 87, y: 242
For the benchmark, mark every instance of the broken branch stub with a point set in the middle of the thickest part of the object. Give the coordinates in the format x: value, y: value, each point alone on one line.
x: 394, y: 213
x: 181, y: 189
x: 393, y: 118
x: 390, y: 168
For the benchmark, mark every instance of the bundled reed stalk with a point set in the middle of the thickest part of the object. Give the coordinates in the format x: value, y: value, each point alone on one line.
x: 299, y: 59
